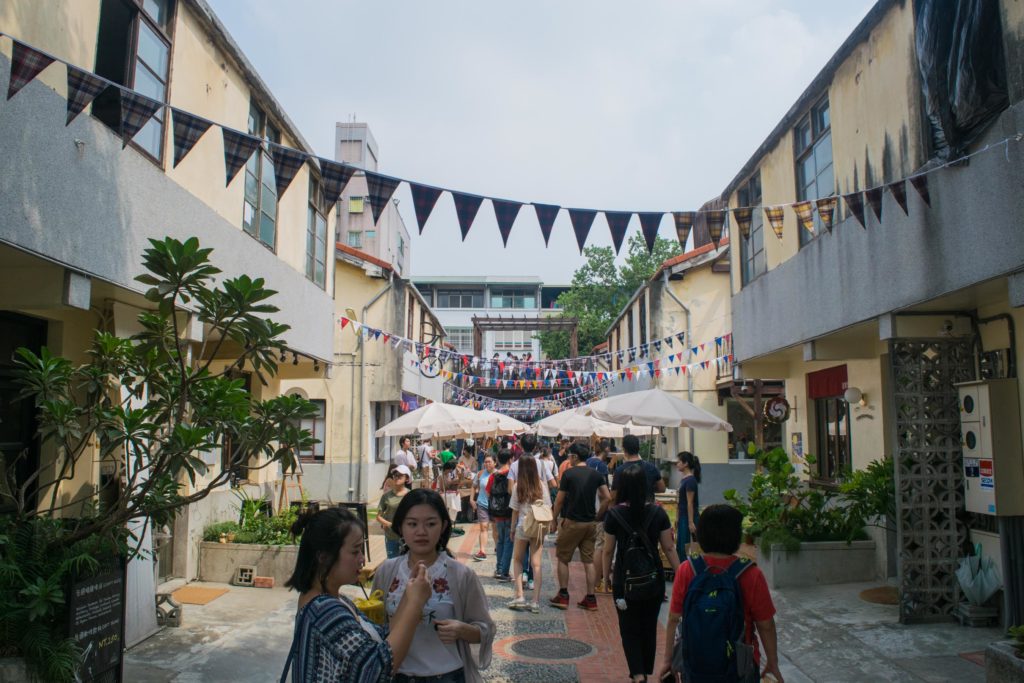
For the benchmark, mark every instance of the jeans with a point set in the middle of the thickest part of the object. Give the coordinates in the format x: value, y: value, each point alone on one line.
x: 527, y: 567
x: 503, y: 546
x: 392, y: 548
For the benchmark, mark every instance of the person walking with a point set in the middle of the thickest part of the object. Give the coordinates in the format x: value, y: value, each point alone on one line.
x: 480, y: 504
x: 528, y: 492
x: 499, y: 509
x: 631, y: 447
x: 399, y: 479
x: 405, y: 455
x: 635, y: 528
x: 579, y: 492
x: 688, y: 465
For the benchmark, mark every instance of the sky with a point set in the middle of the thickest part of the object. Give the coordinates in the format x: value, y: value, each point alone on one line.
x: 647, y: 106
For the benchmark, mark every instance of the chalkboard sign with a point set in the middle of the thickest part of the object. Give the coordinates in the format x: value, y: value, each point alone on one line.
x: 96, y: 613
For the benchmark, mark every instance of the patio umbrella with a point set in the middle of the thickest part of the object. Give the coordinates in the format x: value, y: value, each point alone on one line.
x: 506, y: 425
x: 576, y: 423
x: 656, y: 408
x: 441, y: 419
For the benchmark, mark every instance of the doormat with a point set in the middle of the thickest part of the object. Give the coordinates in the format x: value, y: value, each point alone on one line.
x: 883, y: 595
x: 975, y: 657
x: 195, y: 595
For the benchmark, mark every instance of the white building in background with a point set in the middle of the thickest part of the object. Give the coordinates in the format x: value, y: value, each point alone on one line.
x: 388, y: 239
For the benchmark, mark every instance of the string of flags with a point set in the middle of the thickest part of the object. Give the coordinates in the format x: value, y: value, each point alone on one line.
x: 542, y: 404
x: 84, y: 86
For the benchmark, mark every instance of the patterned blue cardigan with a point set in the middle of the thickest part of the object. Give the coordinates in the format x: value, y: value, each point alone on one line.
x: 330, y: 646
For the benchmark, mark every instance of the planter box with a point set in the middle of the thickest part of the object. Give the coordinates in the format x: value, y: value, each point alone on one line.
x: 218, y: 561
x: 819, y: 563
x: 1002, y: 665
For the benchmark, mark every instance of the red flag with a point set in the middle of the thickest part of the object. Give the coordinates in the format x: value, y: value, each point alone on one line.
x: 344, y: 321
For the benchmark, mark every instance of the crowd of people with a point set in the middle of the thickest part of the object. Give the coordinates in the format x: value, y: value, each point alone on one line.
x: 601, y: 507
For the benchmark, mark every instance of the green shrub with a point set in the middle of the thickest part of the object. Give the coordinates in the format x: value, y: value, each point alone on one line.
x: 213, y: 531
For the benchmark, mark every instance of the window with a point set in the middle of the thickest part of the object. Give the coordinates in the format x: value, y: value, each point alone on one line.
x: 643, y: 318
x: 743, y: 430
x: 371, y: 234
x: 134, y: 49
x: 317, y: 426
x: 753, y: 263
x: 813, y: 148
x: 513, y: 298
x: 461, y: 338
x: 513, y: 340
x: 832, y: 429
x: 316, y: 235
x: 629, y: 327
x: 409, y: 315
x: 355, y: 204
x: 618, y: 346
x: 355, y: 239
x: 259, y: 210
x: 460, y: 298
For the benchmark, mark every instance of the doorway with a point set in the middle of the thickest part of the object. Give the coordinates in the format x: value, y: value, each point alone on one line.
x: 17, y: 416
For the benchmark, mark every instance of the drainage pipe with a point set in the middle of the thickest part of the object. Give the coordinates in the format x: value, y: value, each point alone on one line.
x: 686, y: 310
x: 362, y: 394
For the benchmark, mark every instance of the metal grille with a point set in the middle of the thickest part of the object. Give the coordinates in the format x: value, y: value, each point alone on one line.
x: 929, y: 481
x: 552, y: 648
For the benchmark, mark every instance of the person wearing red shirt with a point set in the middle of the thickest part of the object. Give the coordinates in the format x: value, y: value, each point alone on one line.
x: 718, y: 531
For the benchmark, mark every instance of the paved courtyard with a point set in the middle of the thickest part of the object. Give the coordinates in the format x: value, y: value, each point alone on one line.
x: 826, y: 633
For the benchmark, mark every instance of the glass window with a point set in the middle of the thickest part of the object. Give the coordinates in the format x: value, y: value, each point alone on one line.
x: 316, y: 236
x: 355, y: 239
x: 460, y: 298
x: 832, y: 433
x: 317, y: 427
x: 461, y: 338
x: 355, y: 204
x: 513, y: 298
x: 371, y: 234
x: 513, y: 341
x: 752, y: 253
x: 814, y: 171
x: 259, y: 211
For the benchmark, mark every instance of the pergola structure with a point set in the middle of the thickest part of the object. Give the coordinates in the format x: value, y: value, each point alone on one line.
x: 526, y: 323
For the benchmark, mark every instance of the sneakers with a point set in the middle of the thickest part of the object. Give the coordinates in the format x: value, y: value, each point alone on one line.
x: 518, y: 605
x: 503, y: 578
x: 603, y: 587
x: 535, y: 608
x: 480, y: 556
x: 588, y: 603
x: 529, y: 585
x: 561, y: 601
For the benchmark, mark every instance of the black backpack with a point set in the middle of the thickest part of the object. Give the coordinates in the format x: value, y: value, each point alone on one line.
x: 499, y: 503
x: 642, y: 573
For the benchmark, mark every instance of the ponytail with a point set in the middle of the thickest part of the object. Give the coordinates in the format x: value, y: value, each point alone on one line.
x: 691, y: 461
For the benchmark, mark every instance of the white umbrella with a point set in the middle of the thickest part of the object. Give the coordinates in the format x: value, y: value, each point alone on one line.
x: 576, y: 423
x: 440, y: 419
x: 656, y: 408
x: 506, y: 424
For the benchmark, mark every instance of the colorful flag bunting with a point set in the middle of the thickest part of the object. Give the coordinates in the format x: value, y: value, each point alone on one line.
x: 335, y: 177
x: 83, y: 87
x: 187, y: 131
x: 136, y: 111
x: 899, y: 193
x: 684, y: 224
x: 287, y: 162
x: 744, y: 216
x: 874, y: 197
x: 716, y: 222
x: 238, y: 147
x: 618, y: 222
x: 581, y: 219
x: 827, y: 210
x: 379, y: 189
x: 505, y: 213
x: 649, y: 223
x: 805, y: 214
x: 26, y: 64
x: 855, y: 205
x: 424, y: 198
x: 776, y: 216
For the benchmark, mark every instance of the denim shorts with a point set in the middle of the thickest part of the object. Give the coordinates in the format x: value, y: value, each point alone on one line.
x: 457, y: 676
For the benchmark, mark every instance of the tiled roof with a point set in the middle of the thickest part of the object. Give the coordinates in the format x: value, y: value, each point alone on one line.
x: 370, y: 258
x: 693, y: 253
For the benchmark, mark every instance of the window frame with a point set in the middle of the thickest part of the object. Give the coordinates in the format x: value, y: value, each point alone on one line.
x: 516, y: 296
x: 254, y: 167
x: 830, y: 469
x: 750, y: 194
x: 447, y: 294
x: 315, y: 212
x: 457, y: 335
x: 311, y: 455
x: 801, y: 154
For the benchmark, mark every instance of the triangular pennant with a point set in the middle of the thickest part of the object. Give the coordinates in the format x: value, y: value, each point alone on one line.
x: 136, y: 111
x: 684, y: 224
x: 618, y: 222
x: 379, y: 191
x: 335, y: 177
x: 581, y: 219
x: 920, y: 183
x: 744, y: 216
x: 681, y: 336
x: 26, y: 63
x: 187, y: 131
x: 874, y: 197
x: 827, y: 210
x: 776, y: 216
x: 424, y: 198
x: 855, y: 205
x: 83, y: 87
x: 546, y: 214
x: 649, y: 223
x: 899, y: 193
x: 287, y: 162
x: 344, y: 321
x: 505, y: 213
x: 805, y: 214
x: 238, y: 147
x: 466, y: 206
x: 668, y: 340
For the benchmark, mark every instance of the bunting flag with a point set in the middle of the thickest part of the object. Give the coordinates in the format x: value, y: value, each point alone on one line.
x: 649, y: 223
x: 466, y: 206
x: 287, y: 162
x: 26, y: 64
x: 187, y: 131
x: 83, y: 88
x: 618, y: 221
x: 874, y: 197
x: 716, y: 221
x: 581, y: 219
x: 335, y: 177
x: 379, y: 189
x: 136, y: 111
x: 424, y: 198
x: 805, y: 214
x: 546, y: 215
x: 744, y: 217
x: 238, y: 147
x: 827, y: 210
x: 505, y: 213
x: 684, y: 224
x: 899, y: 193
x: 776, y: 216
x: 920, y: 183
x: 855, y: 205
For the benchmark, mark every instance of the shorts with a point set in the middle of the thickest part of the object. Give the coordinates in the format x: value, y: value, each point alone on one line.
x: 521, y: 535
x: 599, y: 542
x: 573, y: 535
x: 481, y: 514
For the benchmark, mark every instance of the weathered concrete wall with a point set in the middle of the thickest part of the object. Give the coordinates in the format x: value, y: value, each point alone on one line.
x: 819, y: 563
x: 218, y: 561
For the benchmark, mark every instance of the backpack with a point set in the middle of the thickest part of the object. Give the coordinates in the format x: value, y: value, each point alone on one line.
x: 710, y: 645
x: 499, y: 503
x: 538, y: 519
x: 643, y: 574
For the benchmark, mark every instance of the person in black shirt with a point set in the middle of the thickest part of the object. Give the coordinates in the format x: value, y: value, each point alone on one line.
x: 631, y: 447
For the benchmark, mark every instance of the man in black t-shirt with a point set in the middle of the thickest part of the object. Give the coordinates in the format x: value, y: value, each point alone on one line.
x: 579, y: 491
x: 655, y: 483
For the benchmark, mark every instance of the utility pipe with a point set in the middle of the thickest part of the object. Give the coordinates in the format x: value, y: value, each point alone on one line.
x: 689, y: 375
x: 362, y: 392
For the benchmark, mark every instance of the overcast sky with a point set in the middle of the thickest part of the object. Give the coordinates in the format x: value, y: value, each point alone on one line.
x: 650, y: 106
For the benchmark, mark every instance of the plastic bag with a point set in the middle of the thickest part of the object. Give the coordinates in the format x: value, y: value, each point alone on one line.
x: 978, y: 578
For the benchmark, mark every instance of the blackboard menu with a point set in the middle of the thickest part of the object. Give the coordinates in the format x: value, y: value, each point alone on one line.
x: 96, y: 611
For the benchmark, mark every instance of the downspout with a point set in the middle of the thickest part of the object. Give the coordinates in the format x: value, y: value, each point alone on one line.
x: 689, y: 375
x: 362, y: 393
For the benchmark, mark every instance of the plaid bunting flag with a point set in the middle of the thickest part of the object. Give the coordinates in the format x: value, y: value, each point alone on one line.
x: 681, y: 336
x: 466, y: 206
x: 684, y: 224
x: 379, y: 189
x: 26, y: 63
x: 187, y: 131
x: 899, y: 193
x: 920, y: 183
x: 287, y: 162
x: 238, y: 147
x: 649, y: 223
x: 874, y: 197
x: 716, y: 221
x: 618, y: 222
x: 805, y: 214
x: 581, y: 219
x: 855, y: 205
x: 827, y: 210
x: 776, y: 216
x: 505, y: 213
x: 546, y: 215
x: 744, y: 216
x: 424, y: 198
x: 83, y: 88
x: 136, y: 111
x: 335, y: 177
